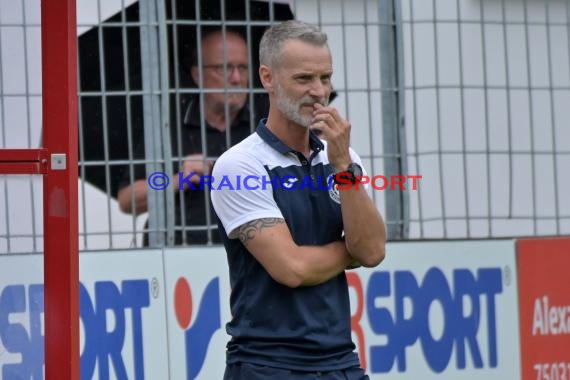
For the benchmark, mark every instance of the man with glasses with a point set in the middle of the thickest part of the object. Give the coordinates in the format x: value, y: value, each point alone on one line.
x: 225, y: 122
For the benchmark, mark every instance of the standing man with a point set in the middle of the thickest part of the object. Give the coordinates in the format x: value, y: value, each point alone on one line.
x: 288, y: 239
x: 225, y: 66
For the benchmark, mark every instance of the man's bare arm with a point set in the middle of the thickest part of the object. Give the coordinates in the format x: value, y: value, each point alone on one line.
x: 364, y: 228
x: 249, y: 230
x: 271, y: 243
x: 138, y: 191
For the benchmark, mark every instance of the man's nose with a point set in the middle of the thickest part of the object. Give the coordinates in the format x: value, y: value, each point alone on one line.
x: 235, y: 74
x: 318, y: 89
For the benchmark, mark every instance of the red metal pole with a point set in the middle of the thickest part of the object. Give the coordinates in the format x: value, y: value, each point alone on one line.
x: 23, y: 161
x: 61, y: 241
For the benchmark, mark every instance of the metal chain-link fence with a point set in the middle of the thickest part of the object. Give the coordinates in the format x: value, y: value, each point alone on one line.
x: 470, y: 95
x: 487, y: 94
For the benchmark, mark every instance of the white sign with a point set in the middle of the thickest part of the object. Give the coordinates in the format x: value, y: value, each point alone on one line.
x: 122, y: 323
x: 439, y: 310
x: 431, y: 310
x: 198, y: 290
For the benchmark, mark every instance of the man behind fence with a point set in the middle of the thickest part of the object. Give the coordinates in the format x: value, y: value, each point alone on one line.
x: 225, y: 71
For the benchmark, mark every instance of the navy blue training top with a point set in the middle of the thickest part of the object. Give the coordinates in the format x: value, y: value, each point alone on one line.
x: 304, y: 328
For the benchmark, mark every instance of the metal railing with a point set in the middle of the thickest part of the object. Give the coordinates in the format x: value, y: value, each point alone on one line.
x: 472, y: 96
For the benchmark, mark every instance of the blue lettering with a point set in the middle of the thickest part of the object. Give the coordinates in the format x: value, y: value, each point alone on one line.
x: 491, y: 283
x: 100, y: 345
x: 103, y: 345
x: 226, y: 182
x: 381, y: 323
x: 406, y: 287
x: 14, y: 336
x: 435, y: 288
x: 206, y: 180
x: 89, y: 320
x: 410, y: 320
x: 36, y: 306
x: 109, y: 344
x: 265, y: 181
x: 185, y: 180
x: 135, y: 298
x: 322, y: 181
x: 467, y: 326
x: 245, y: 182
x: 306, y: 182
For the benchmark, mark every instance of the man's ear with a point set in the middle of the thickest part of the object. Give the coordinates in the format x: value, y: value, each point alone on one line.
x: 266, y: 78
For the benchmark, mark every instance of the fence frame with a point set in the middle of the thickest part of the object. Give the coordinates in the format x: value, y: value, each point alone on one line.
x: 57, y: 162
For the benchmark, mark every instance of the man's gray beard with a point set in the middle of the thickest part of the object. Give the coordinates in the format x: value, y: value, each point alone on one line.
x: 292, y: 110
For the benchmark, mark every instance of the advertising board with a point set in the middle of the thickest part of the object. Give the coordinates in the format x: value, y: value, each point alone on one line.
x: 544, y: 302
x: 122, y: 320
x: 438, y: 310
x: 198, y: 290
x: 431, y: 310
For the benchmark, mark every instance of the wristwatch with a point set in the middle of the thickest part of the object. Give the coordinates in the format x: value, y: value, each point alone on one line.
x: 351, y: 173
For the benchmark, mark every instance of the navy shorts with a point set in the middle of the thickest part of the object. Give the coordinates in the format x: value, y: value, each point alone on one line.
x: 247, y: 371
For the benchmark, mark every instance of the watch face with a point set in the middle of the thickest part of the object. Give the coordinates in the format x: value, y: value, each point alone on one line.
x: 355, y: 169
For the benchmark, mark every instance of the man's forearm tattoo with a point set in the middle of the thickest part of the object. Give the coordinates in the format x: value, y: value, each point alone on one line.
x: 247, y: 231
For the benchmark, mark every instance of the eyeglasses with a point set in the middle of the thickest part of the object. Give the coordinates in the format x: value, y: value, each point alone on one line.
x: 220, y: 69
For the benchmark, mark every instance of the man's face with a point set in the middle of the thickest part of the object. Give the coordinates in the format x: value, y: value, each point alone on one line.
x: 302, y: 79
x: 233, y: 76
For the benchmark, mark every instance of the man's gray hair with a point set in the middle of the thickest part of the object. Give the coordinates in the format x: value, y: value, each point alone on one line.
x: 274, y: 38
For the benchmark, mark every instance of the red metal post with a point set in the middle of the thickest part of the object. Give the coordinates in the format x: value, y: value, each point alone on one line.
x: 61, y: 241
